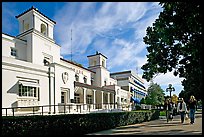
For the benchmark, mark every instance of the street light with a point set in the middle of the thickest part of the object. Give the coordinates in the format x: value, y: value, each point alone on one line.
x: 170, y: 89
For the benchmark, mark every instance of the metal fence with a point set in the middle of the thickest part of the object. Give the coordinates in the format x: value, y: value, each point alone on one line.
x: 63, y: 109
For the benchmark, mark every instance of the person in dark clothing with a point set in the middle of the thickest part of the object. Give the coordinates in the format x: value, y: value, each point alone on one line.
x: 192, y: 107
x: 168, y: 108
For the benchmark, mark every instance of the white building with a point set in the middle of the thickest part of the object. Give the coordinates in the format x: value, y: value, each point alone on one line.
x: 34, y: 74
x: 130, y: 81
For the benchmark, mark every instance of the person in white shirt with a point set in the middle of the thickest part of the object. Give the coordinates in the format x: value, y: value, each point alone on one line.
x: 182, y: 109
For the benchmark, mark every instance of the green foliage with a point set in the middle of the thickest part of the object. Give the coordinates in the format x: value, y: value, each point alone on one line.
x: 155, y: 95
x: 162, y: 113
x: 142, y: 101
x: 72, y: 124
x: 175, y: 44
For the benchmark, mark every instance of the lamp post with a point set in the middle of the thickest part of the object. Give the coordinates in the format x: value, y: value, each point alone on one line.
x: 170, y: 89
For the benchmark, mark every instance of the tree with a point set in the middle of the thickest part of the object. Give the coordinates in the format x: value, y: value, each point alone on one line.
x: 155, y: 95
x: 142, y: 101
x: 174, y: 99
x: 175, y: 44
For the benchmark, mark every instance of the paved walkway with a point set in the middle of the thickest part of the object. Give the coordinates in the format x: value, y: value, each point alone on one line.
x: 158, y: 127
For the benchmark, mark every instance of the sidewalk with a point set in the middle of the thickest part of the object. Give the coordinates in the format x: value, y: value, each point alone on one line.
x: 158, y: 127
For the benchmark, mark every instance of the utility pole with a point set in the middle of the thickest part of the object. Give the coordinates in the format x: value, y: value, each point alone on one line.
x: 71, y: 44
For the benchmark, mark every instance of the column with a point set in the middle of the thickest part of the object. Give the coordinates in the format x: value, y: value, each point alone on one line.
x: 94, y: 99
x: 102, y: 99
x: 85, y: 105
x: 108, y: 100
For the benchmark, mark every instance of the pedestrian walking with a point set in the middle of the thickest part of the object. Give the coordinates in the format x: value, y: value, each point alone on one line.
x: 192, y: 108
x: 169, y: 111
x: 182, y: 109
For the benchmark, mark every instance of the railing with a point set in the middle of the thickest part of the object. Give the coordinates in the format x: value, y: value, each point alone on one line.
x: 63, y: 109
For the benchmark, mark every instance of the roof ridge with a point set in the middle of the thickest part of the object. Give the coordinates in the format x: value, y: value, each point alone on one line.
x: 37, y: 11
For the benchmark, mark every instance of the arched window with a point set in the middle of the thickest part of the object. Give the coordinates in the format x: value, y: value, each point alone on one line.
x: 43, y: 29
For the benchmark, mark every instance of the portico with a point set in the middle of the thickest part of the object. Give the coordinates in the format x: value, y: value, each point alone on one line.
x: 93, y: 97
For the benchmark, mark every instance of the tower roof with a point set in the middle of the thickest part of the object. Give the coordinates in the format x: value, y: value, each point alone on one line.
x: 33, y: 8
x: 97, y: 53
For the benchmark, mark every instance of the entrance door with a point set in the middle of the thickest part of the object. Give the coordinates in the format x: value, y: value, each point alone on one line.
x: 65, y: 97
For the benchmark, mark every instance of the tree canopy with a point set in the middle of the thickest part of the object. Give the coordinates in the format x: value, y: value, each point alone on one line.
x: 155, y: 95
x: 174, y: 44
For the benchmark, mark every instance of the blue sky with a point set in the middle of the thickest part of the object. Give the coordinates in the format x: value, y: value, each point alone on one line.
x: 115, y: 29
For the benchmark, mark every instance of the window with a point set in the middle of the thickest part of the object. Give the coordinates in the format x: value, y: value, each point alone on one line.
x: 94, y: 63
x: 62, y: 97
x: 103, y: 63
x: 105, y: 82
x: 26, y: 26
x: 13, y: 52
x: 77, y: 77
x: 89, y: 99
x: 27, y: 91
x: 43, y: 29
x: 47, y: 59
x: 76, y: 98
x: 85, y: 79
x: 92, y: 80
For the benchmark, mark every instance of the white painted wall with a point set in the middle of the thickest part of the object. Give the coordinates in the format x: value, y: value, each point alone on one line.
x: 39, y: 19
x: 26, y: 18
x: 82, y: 72
x: 40, y: 46
x: 10, y: 42
x: 59, y: 69
x: 12, y: 69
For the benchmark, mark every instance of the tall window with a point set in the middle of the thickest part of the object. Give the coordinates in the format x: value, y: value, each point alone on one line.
x: 85, y: 79
x: 76, y: 98
x: 13, y: 52
x: 26, y: 26
x: 77, y: 77
x: 43, y: 29
x: 62, y: 97
x: 89, y: 99
x: 94, y: 63
x: 92, y: 80
x: 103, y: 63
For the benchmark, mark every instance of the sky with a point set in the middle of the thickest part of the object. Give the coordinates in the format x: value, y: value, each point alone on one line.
x: 115, y: 29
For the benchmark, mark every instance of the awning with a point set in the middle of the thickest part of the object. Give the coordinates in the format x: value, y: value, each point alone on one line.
x: 29, y: 84
x: 136, y: 100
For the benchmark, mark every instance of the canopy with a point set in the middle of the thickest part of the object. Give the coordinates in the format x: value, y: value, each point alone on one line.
x: 136, y: 100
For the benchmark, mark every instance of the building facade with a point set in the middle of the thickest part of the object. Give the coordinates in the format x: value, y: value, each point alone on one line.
x: 132, y: 83
x: 34, y: 73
